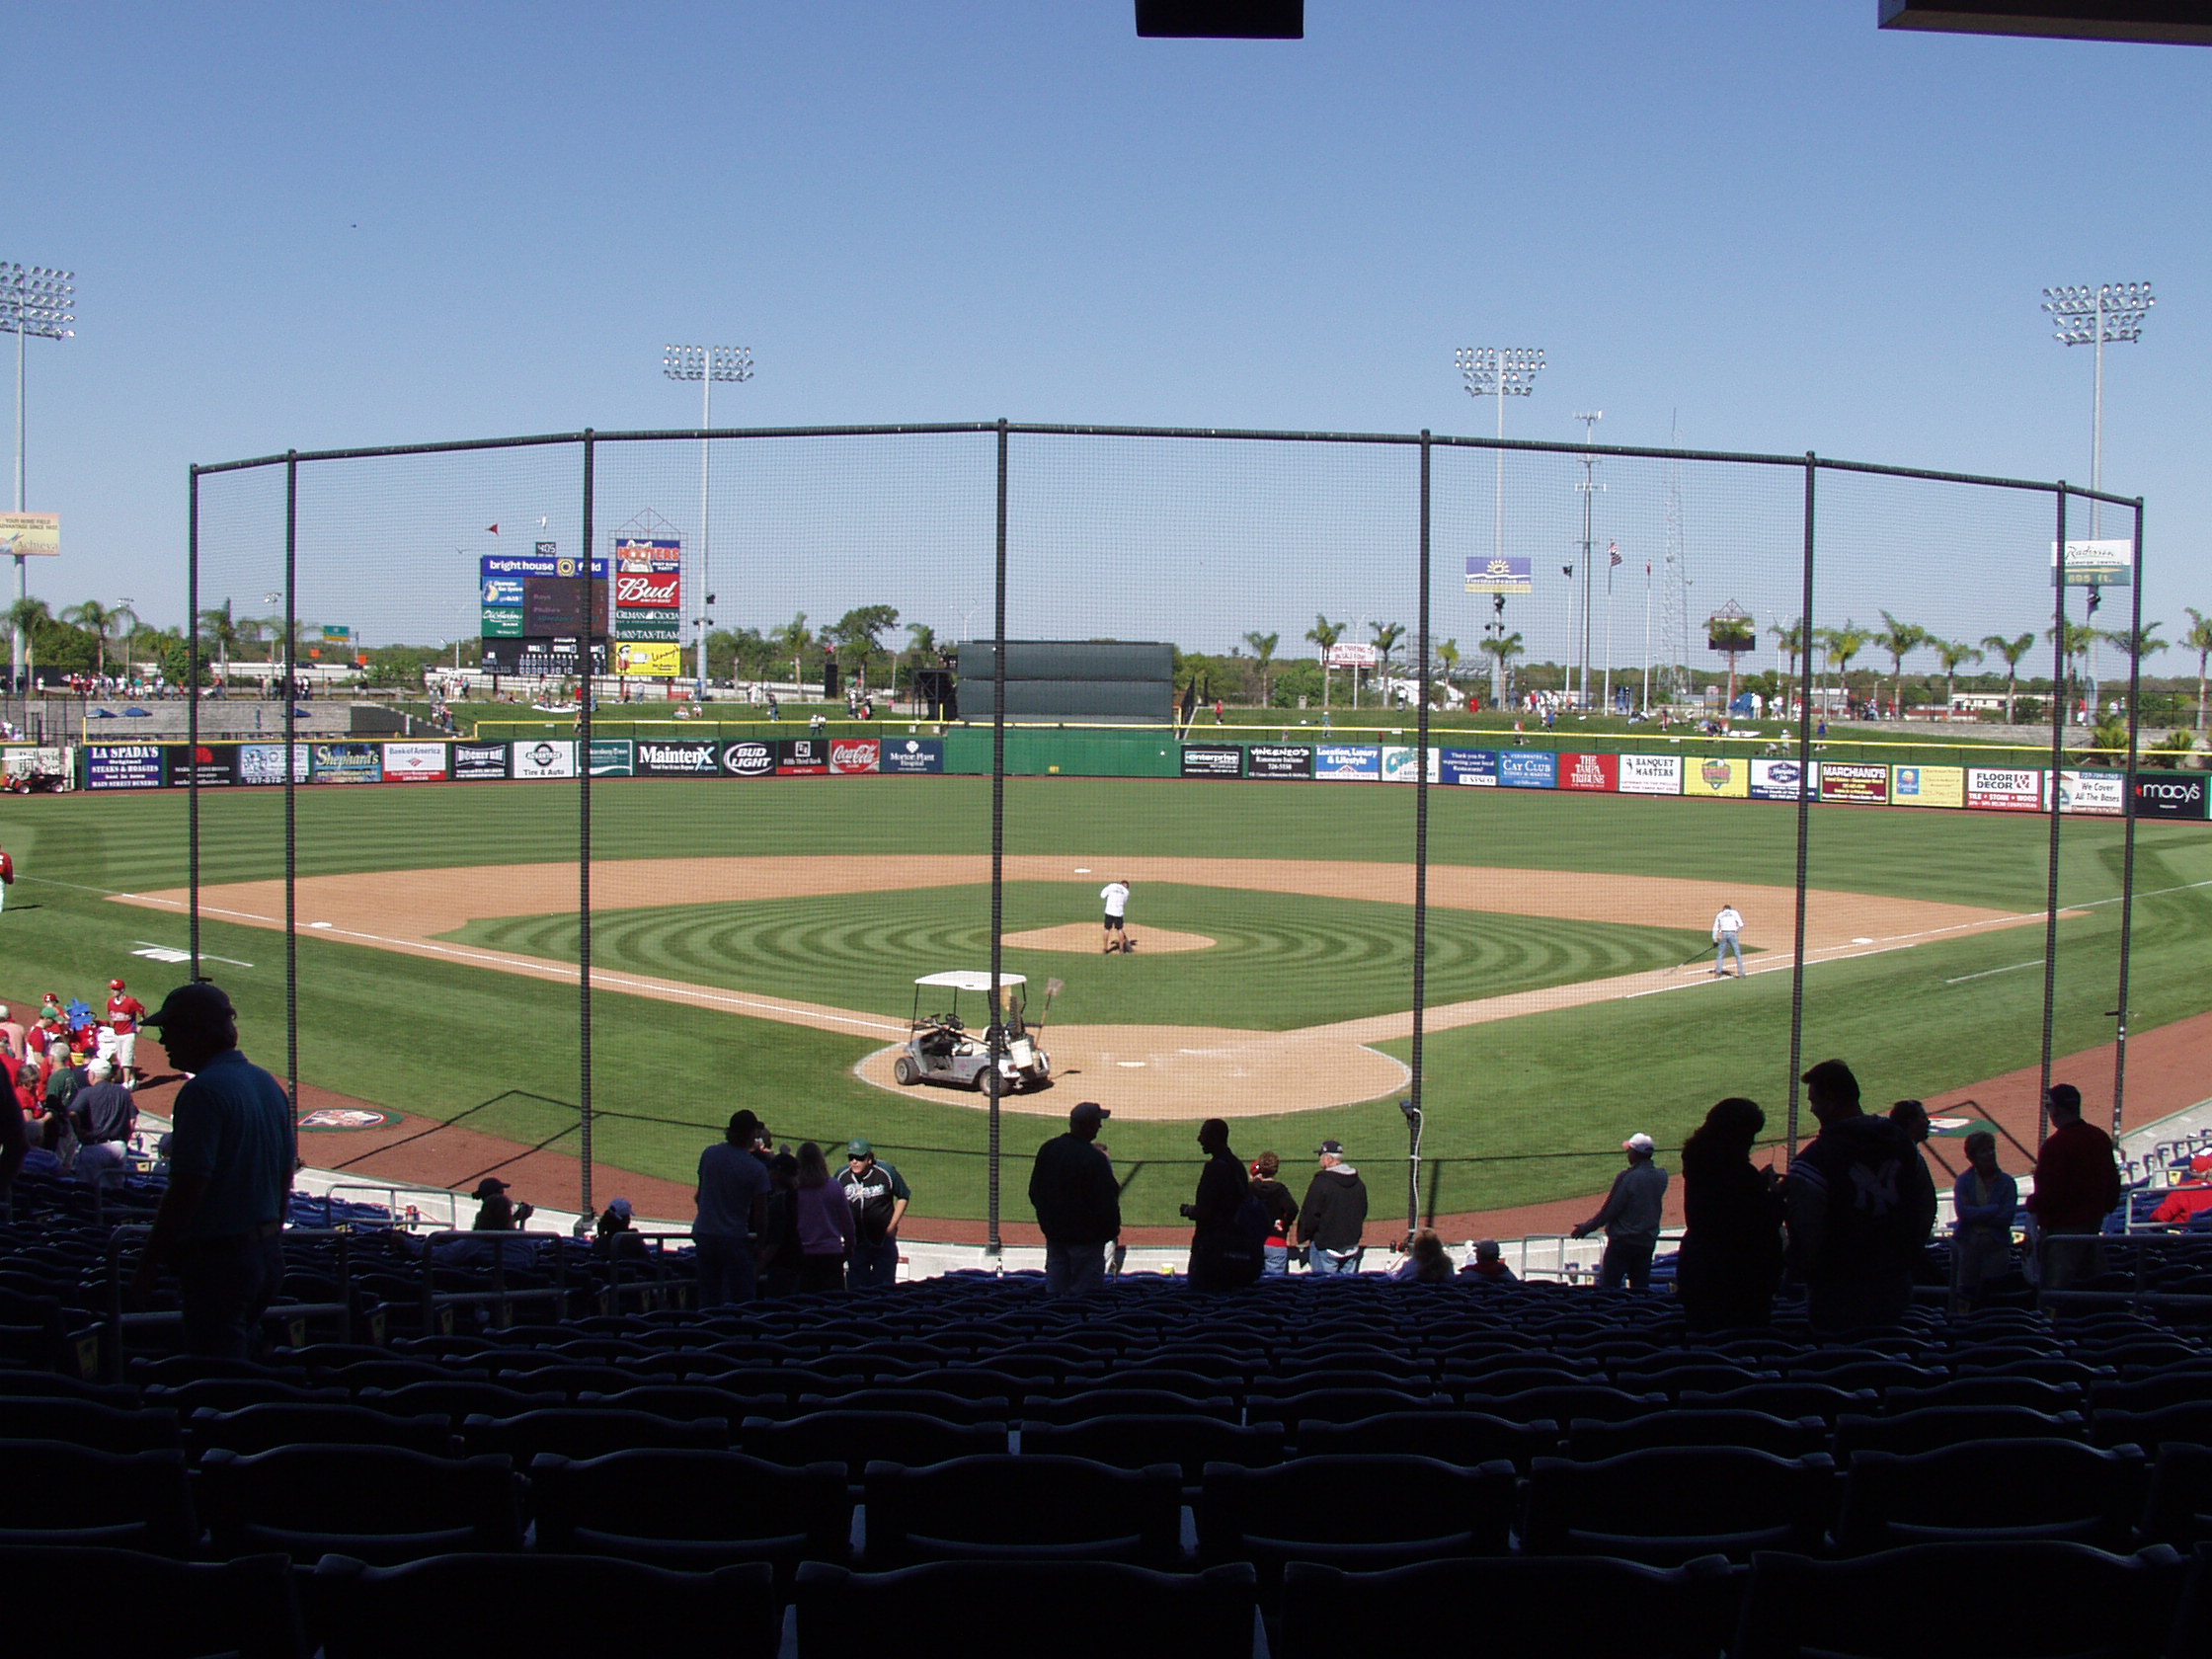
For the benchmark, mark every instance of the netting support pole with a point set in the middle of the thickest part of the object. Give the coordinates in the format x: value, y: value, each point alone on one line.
x: 1804, y: 810
x: 2128, y: 830
x: 292, y: 789
x: 997, y: 836
x: 583, y: 854
x: 1420, y: 861
x: 192, y: 722
x: 2059, y: 655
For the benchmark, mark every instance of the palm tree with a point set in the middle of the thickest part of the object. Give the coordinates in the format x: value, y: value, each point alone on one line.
x: 220, y: 626
x: 1842, y: 645
x: 1387, y: 637
x: 26, y: 616
x: 2012, y: 650
x: 795, y: 636
x: 101, y: 622
x: 2199, y: 640
x: 2137, y: 642
x: 1952, y: 652
x: 1790, y: 640
x: 1263, y: 650
x: 1448, y: 654
x: 1501, y: 651
x: 1324, y: 634
x: 1900, y: 639
x: 921, y: 646
x: 2080, y: 639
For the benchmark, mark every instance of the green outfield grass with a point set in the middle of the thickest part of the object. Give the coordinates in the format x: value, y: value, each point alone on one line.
x: 1517, y: 1112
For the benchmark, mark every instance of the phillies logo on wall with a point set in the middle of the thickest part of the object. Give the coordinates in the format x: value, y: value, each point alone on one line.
x: 1716, y: 773
x: 856, y: 754
x: 653, y: 591
x: 748, y: 759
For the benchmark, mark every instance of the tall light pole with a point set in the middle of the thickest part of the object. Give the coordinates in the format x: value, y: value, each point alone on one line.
x: 705, y: 365
x: 1500, y: 372
x: 1588, y: 489
x: 33, y: 300
x: 2109, y: 314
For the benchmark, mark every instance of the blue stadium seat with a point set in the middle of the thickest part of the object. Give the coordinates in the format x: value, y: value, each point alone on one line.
x: 81, y: 1422
x: 262, y: 1428
x: 855, y: 1439
x: 1002, y: 1508
x: 1465, y: 1438
x: 1948, y: 1425
x: 692, y: 1511
x: 374, y: 1502
x: 1671, y: 1504
x: 148, y: 1607
x: 115, y: 1500
x: 1189, y: 1440
x: 1990, y: 1491
x: 1590, y: 1438
x: 1360, y: 1513
x: 579, y: 1431
x: 1127, y: 1403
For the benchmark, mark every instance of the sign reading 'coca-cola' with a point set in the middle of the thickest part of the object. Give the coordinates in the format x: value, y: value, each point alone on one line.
x: 653, y: 591
x: 856, y: 754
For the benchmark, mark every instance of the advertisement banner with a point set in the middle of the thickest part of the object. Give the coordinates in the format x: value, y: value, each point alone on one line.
x: 2095, y: 564
x: 1479, y: 766
x: 1397, y: 764
x: 648, y: 553
x: 212, y: 764
x: 1865, y: 783
x: 750, y: 757
x: 657, y: 627
x: 653, y: 591
x: 1500, y: 576
x: 1350, y: 656
x: 648, y: 662
x: 850, y: 756
x: 26, y: 535
x: 521, y: 566
x: 502, y: 592
x: 546, y: 758
x: 802, y: 757
x: 348, y: 762
x: 1928, y: 786
x: 415, y: 762
x: 124, y: 767
x: 1595, y: 772
x: 264, y: 763
x: 914, y: 754
x: 2004, y: 788
x: 1651, y: 775
x: 1781, y: 780
x: 1278, y: 760
x: 1348, y: 762
x: 688, y: 757
x: 1213, y: 761
x: 2092, y: 794
x: 475, y: 763
x: 2173, y: 795
x: 499, y: 623
x: 1527, y: 768
x: 612, y: 757
x: 1718, y: 776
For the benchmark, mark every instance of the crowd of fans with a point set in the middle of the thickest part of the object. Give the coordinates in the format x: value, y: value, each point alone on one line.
x: 69, y: 1073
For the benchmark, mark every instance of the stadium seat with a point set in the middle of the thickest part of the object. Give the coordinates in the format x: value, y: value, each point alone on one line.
x: 374, y: 1502
x: 2031, y: 1599
x: 1592, y: 1439
x: 110, y: 1500
x: 2182, y: 1425
x: 1360, y: 1513
x: 1127, y: 1403
x: 455, y: 1401
x: 245, y: 1609
x: 2151, y: 1393
x: 1189, y: 1441
x: 82, y: 1422
x: 1002, y: 1508
x: 1991, y: 1389
x: 1991, y: 1490
x: 932, y: 1402
x: 230, y: 1393
x: 1705, y: 1377
x: 1465, y: 1438
x: 1948, y: 1425
x: 260, y: 1428
x: 1018, y: 1610
x: 1340, y: 1406
x: 581, y: 1430
x: 2179, y: 1509
x: 454, y: 1607
x: 1789, y: 1399
x: 1671, y: 1504
x: 692, y: 1511
x: 1512, y: 1608
x: 857, y: 1438
x: 1563, y: 1403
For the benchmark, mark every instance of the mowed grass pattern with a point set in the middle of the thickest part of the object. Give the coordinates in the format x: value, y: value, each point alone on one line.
x: 1279, y: 961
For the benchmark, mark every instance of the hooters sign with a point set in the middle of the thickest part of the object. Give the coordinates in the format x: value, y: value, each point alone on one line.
x: 649, y: 590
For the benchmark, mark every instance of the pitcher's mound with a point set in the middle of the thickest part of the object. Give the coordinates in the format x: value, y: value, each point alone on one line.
x: 1083, y: 936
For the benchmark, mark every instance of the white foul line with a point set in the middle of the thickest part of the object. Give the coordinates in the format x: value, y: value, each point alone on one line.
x: 1987, y: 972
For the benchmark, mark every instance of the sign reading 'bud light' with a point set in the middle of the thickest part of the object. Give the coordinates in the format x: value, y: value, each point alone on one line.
x: 749, y: 758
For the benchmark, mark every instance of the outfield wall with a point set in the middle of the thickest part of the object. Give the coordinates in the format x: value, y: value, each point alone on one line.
x: 1692, y: 773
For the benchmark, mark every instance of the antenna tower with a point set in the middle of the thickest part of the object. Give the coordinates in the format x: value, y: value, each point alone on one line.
x: 1674, y: 592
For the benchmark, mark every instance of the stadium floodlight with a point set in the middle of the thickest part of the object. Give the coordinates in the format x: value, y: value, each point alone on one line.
x: 706, y: 364
x: 33, y: 300
x: 1500, y: 372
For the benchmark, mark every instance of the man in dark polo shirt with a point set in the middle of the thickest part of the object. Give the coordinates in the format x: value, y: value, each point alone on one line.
x: 230, y: 1178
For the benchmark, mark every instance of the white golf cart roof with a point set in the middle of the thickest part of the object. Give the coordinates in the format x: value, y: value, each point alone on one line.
x: 970, y: 979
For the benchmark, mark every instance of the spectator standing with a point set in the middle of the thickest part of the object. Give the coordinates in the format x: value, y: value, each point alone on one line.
x: 1858, y: 1203
x: 1332, y: 1221
x: 1282, y: 1211
x: 494, y: 1211
x: 2077, y: 1185
x: 103, y: 1115
x: 1223, y: 1258
x: 1078, y: 1206
x: 1488, y: 1266
x: 7, y: 874
x: 1727, y: 937
x: 1630, y: 1218
x: 11, y: 1032
x: 1427, y: 1262
x: 733, y: 1202
x: 1984, y: 1205
x: 779, y: 1242
x: 825, y: 1223
x: 231, y: 1157
x: 1730, y: 1263
x: 879, y: 1197
x: 124, y: 1012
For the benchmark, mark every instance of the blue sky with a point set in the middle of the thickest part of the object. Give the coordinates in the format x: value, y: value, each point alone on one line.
x: 310, y: 226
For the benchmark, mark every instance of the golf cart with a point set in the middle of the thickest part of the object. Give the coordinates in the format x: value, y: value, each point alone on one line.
x: 943, y: 1048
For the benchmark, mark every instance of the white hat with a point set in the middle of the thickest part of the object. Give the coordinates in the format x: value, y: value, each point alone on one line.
x: 1639, y: 1142
x: 98, y: 1068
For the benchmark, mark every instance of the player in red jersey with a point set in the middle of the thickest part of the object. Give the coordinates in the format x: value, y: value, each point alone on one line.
x: 124, y: 1012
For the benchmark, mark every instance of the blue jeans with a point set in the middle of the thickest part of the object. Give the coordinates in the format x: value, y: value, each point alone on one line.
x: 725, y: 1268
x: 1626, y: 1261
x: 228, y: 1285
x: 1720, y: 949
x: 1329, y: 1264
x: 873, y: 1264
x: 1073, y: 1268
x: 1274, y: 1261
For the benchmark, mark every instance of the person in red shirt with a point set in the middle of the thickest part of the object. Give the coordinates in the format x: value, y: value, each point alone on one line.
x: 7, y: 874
x: 124, y: 1012
x: 2077, y: 1185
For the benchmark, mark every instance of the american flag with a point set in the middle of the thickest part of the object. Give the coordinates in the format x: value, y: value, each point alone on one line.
x: 1613, y: 551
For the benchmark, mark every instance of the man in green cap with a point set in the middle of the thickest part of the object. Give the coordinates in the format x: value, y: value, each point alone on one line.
x: 878, y: 1194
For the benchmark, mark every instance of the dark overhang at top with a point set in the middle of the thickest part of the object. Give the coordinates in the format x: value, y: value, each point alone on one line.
x: 2179, y: 23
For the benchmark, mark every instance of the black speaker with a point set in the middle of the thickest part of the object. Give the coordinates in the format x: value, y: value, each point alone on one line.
x: 1221, y: 20
x: 832, y: 682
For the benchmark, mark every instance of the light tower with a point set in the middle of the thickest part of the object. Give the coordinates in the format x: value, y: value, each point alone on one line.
x: 705, y: 365
x: 1499, y: 372
x: 1588, y: 489
x: 33, y: 300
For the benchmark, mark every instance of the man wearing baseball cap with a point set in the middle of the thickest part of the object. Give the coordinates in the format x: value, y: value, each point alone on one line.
x: 1078, y: 1206
x: 124, y: 1012
x: 879, y: 1198
x: 1332, y: 1223
x: 231, y: 1158
x: 1630, y: 1218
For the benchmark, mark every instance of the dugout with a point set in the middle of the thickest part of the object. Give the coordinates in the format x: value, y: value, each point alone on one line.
x: 1096, y: 681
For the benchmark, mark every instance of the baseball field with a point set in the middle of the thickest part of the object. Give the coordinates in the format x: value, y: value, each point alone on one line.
x: 755, y: 945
